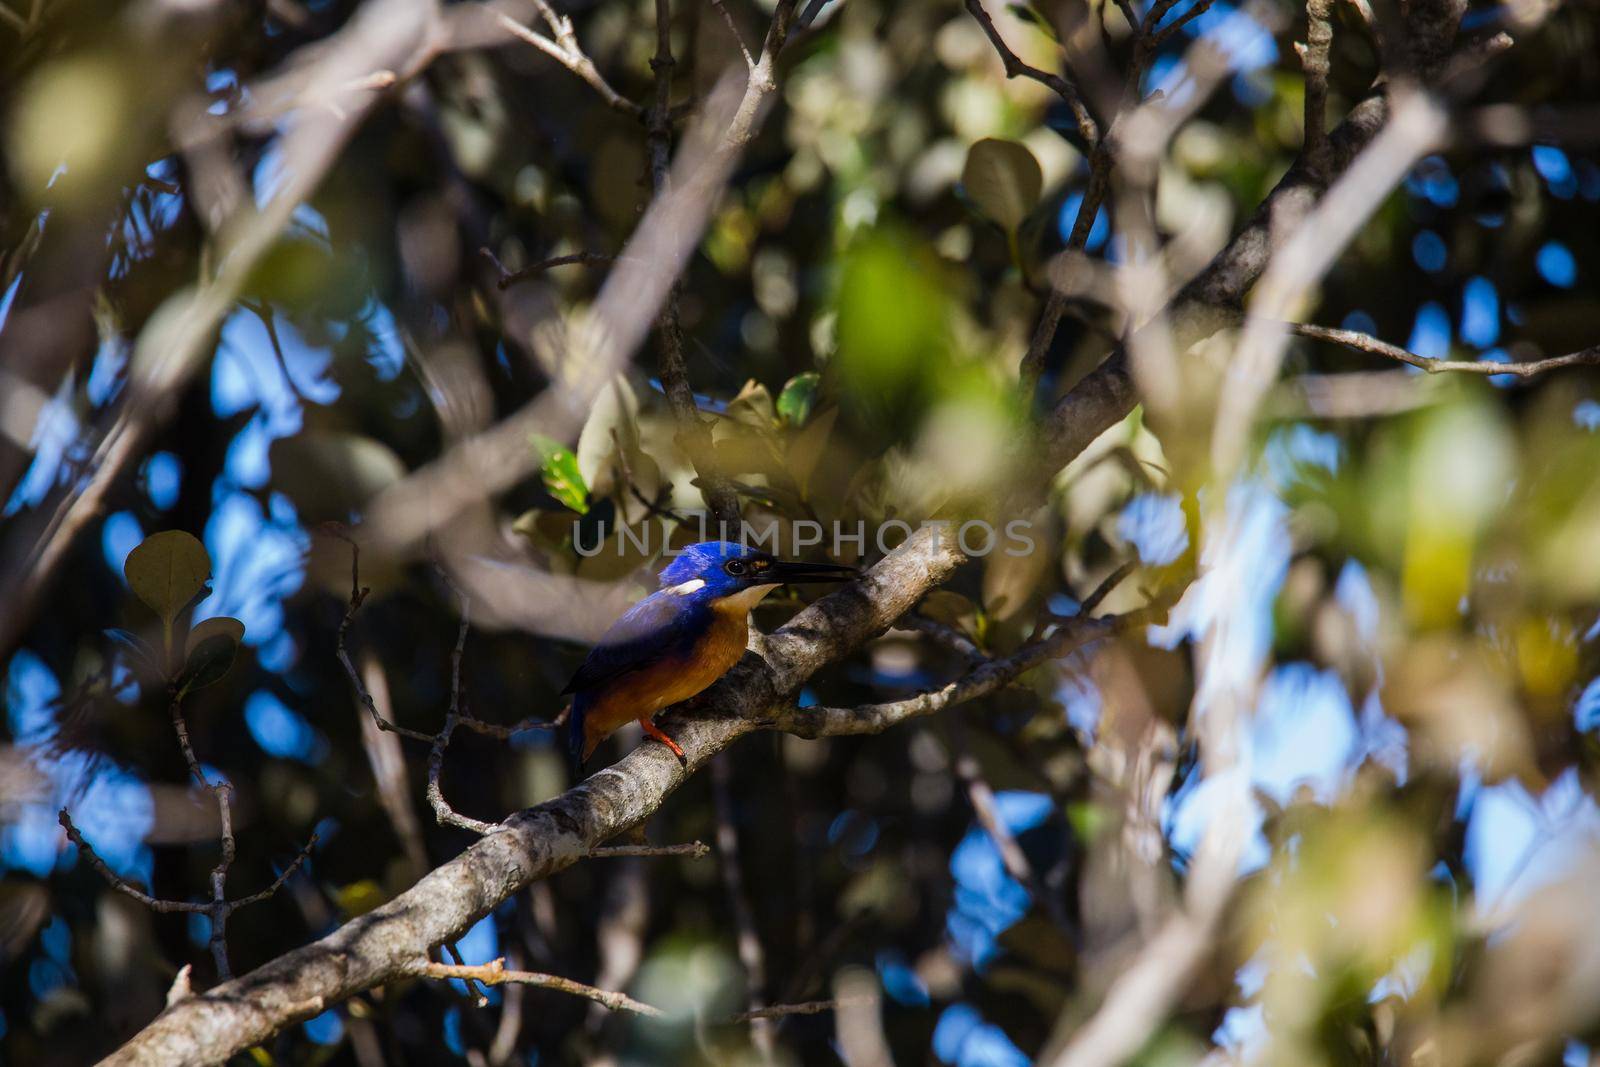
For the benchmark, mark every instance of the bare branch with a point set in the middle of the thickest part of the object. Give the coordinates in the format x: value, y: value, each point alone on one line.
x: 120, y: 884
x: 1171, y: 30
x: 809, y: 1007
x: 1088, y: 129
x: 987, y: 810
x: 495, y: 973
x: 442, y: 810
x: 278, y: 882
x: 946, y: 635
x: 508, y: 278
x: 1314, y: 58
x: 358, y: 596
x: 727, y: 17
x: 694, y: 850
x: 1361, y: 342
x: 813, y: 722
x: 565, y: 50
x: 751, y: 955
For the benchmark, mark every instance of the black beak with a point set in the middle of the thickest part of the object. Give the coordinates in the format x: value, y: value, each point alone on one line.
x: 794, y: 572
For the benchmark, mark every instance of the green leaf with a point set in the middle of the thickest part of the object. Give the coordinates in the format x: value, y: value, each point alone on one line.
x: 1003, y: 179
x: 563, y: 479
x: 167, y: 571
x: 211, y: 649
x: 799, y: 396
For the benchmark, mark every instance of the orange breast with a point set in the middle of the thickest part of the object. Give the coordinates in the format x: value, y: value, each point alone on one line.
x: 642, y: 693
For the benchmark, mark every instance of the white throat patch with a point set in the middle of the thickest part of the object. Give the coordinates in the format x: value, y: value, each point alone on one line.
x: 745, y: 599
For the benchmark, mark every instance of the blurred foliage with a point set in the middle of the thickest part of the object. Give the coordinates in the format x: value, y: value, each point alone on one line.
x: 1416, y: 591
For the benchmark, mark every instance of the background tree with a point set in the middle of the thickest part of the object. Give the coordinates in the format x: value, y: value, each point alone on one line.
x: 334, y: 337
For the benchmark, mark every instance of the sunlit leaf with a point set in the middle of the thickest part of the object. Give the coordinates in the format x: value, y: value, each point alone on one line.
x: 1003, y: 179
x: 798, y: 398
x: 167, y: 571
x: 562, y: 478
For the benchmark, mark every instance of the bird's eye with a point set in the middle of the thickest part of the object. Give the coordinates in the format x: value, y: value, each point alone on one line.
x: 735, y: 566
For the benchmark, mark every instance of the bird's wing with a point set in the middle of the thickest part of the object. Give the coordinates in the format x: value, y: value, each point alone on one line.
x: 661, y: 624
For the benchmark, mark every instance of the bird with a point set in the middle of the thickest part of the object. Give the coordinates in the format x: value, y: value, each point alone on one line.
x: 678, y: 640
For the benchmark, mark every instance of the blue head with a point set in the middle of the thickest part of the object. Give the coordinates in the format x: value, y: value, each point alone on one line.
x: 724, y: 569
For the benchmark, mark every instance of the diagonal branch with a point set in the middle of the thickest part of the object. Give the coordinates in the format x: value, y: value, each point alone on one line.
x: 1088, y: 129
x: 1362, y: 342
x: 566, y: 51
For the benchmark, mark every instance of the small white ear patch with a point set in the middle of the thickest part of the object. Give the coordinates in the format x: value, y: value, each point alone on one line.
x: 688, y: 587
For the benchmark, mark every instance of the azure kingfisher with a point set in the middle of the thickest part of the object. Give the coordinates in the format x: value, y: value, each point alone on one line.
x: 677, y: 641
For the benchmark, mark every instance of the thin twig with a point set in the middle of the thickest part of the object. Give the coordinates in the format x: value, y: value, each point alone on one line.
x: 946, y: 635
x: 1103, y: 590
x: 442, y: 810
x: 495, y: 973
x: 1361, y: 342
x: 1167, y: 32
x: 358, y: 596
x: 1314, y: 58
x: 264, y: 313
x: 809, y: 1007
x: 122, y: 885
x: 987, y: 810
x: 751, y: 954
x: 277, y: 883
x: 1071, y: 634
x: 565, y: 50
x: 749, y: 60
x: 693, y: 849
x: 473, y: 990
x: 1088, y: 129
x: 508, y: 278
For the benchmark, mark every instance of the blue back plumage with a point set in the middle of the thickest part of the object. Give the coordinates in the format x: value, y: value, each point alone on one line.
x: 665, y: 625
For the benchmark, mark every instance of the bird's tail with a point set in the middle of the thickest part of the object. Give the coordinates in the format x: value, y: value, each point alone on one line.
x: 575, y: 734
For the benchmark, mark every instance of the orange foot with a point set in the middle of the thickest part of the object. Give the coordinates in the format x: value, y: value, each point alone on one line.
x: 652, y: 730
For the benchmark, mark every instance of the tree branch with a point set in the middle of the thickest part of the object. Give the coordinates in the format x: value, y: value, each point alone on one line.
x: 1088, y: 129
x: 566, y: 51
x: 386, y: 942
x: 1361, y: 342
x: 495, y: 973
